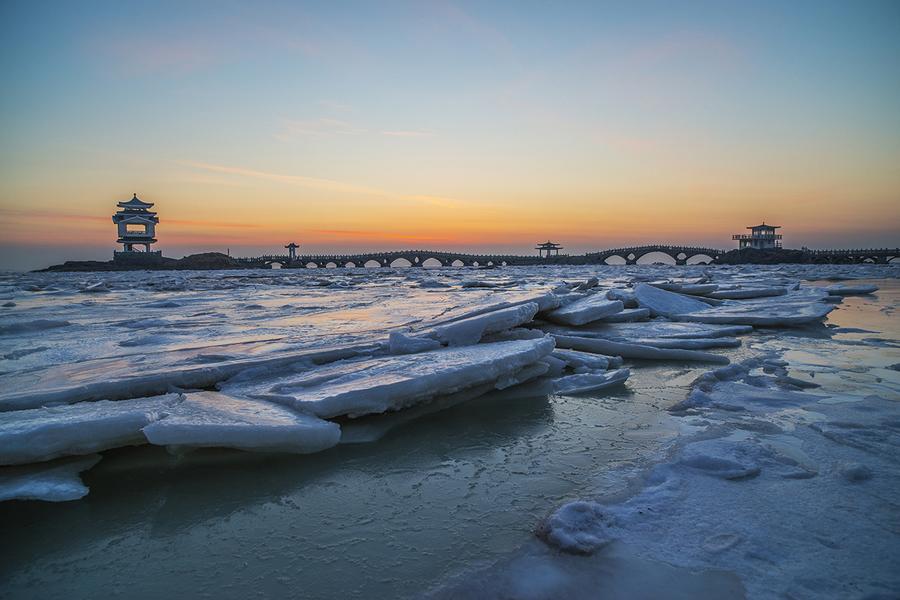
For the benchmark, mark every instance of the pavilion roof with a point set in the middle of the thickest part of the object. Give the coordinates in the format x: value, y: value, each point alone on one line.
x: 549, y: 244
x: 135, y: 202
x: 764, y: 226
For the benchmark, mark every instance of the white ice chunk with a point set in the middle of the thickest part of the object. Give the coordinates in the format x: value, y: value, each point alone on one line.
x: 626, y: 297
x: 55, y: 481
x: 590, y: 382
x: 851, y: 290
x: 666, y: 304
x: 471, y: 330
x: 579, y: 527
x: 773, y: 314
x: 586, y: 310
x: 372, y: 428
x: 212, y: 419
x: 722, y: 458
x: 83, y: 428
x: 745, y: 293
x: 382, y: 384
x: 628, y: 315
x: 575, y: 360
x: 406, y: 344
x: 626, y: 350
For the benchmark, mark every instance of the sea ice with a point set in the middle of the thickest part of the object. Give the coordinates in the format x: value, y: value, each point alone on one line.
x: 213, y: 419
x: 585, y: 310
x: 55, y: 481
x: 589, y: 382
x: 399, y: 343
x: 746, y: 293
x: 472, y: 329
x: 627, y: 350
x: 383, y: 384
x: 45, y: 433
x: 666, y: 304
x: 851, y: 290
x: 579, y: 527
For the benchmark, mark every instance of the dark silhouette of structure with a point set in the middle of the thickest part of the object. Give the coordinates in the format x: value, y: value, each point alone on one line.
x: 551, y: 248
x: 761, y: 237
x: 136, y: 224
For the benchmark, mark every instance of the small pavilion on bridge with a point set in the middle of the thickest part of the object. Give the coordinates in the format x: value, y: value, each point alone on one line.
x: 292, y: 250
x: 551, y: 248
x: 761, y: 237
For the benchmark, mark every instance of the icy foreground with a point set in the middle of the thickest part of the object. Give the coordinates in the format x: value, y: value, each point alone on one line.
x: 781, y: 414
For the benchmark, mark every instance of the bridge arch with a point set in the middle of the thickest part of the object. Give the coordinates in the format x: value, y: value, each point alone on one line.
x: 401, y: 262
x: 699, y: 259
x: 311, y: 265
x: 655, y: 256
x: 615, y: 259
x: 275, y: 265
x: 432, y: 263
x: 371, y: 263
x: 457, y: 263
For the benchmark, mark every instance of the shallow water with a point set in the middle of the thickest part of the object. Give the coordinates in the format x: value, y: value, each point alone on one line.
x: 435, y: 498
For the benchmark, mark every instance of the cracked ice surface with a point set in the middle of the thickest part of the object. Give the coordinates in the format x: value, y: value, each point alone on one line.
x: 774, y: 474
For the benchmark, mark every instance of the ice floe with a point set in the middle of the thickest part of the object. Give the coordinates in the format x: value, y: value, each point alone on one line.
x: 377, y: 385
x: 86, y: 427
x: 585, y: 310
x: 212, y: 419
x: 55, y: 481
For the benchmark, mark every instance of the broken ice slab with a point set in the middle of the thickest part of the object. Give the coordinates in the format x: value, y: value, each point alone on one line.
x: 470, y: 330
x: 651, y: 330
x: 627, y: 316
x: 851, y: 290
x: 589, y: 382
x: 381, y: 384
x: 54, y: 481
x: 41, y: 434
x: 627, y: 350
x: 666, y: 304
x: 747, y: 293
x: 372, y: 428
x: 586, y: 360
x: 131, y: 384
x: 777, y: 313
x: 216, y: 420
x: 586, y: 310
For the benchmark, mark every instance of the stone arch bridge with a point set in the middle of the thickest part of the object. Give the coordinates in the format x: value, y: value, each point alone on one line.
x: 417, y: 258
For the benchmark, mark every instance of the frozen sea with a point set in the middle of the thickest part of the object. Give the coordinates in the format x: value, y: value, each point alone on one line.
x: 776, y: 476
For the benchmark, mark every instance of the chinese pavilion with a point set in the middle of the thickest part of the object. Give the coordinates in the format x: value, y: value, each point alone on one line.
x: 548, y: 247
x: 761, y: 237
x: 137, y: 224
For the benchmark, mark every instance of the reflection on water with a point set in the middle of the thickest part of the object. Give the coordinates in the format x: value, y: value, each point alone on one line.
x: 364, y: 520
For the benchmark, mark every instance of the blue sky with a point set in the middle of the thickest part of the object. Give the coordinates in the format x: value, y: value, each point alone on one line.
x: 480, y: 125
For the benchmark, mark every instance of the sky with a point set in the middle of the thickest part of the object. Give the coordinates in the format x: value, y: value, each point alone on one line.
x: 472, y: 126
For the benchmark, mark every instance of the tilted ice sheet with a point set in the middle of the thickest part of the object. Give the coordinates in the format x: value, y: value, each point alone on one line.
x: 586, y: 310
x: 215, y: 420
x: 666, y: 304
x: 54, y: 481
x: 83, y: 428
x: 382, y: 384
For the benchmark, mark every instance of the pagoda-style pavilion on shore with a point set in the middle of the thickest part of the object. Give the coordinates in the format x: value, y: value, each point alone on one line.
x: 137, y: 224
x: 551, y: 248
x: 761, y: 237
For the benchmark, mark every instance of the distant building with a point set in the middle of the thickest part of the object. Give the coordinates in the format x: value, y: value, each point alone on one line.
x: 548, y: 247
x: 761, y: 237
x: 136, y: 223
